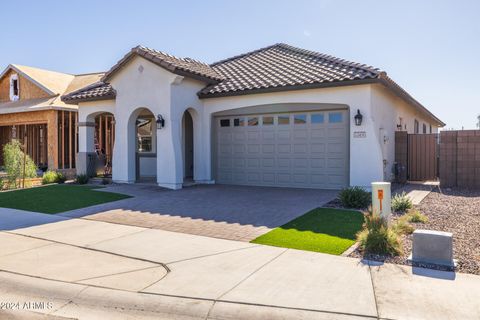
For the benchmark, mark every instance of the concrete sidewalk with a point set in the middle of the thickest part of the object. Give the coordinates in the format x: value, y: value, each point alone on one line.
x: 90, y: 269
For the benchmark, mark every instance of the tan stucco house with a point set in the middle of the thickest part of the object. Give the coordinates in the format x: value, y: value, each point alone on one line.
x: 277, y: 116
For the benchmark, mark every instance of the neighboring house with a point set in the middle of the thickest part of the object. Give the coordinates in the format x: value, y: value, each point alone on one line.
x: 31, y: 111
x: 277, y: 116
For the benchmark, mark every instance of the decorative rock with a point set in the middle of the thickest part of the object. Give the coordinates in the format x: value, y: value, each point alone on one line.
x: 432, y: 248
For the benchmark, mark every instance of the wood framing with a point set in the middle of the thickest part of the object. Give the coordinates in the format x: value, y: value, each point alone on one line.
x: 47, y: 133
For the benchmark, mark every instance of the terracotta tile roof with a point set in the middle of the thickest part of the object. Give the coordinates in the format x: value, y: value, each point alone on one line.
x: 281, y: 66
x: 96, y: 91
x: 181, y: 66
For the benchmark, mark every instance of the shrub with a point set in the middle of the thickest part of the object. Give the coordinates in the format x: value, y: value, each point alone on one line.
x: 53, y: 177
x: 355, y: 197
x: 401, y: 226
x: 401, y: 203
x: 14, y: 159
x: 377, y: 237
x: 415, y: 216
x: 61, y: 178
x: 82, y: 178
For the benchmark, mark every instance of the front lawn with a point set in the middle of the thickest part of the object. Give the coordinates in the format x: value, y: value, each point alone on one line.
x: 56, y: 198
x: 324, y: 230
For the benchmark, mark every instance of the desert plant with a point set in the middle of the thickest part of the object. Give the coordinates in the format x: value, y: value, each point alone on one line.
x: 17, y: 164
x: 416, y: 217
x: 82, y: 178
x: 401, y: 203
x: 355, y: 197
x: 53, y: 177
x: 377, y: 237
x: 401, y: 226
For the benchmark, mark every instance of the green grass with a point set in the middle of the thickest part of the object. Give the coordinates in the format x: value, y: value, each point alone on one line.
x: 324, y: 230
x: 56, y: 198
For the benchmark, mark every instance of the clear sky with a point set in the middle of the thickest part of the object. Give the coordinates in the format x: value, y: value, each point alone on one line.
x: 431, y: 48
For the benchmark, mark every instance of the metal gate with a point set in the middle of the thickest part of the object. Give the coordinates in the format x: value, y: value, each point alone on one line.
x: 422, y: 157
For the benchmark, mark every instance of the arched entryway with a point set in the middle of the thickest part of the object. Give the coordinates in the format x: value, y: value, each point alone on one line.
x: 145, y: 146
x: 187, y: 134
x: 104, y: 141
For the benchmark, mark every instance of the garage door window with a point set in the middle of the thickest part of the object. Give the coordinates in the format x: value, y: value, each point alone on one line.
x: 238, y: 122
x: 225, y: 123
x: 318, y: 118
x: 283, y: 120
x: 300, y: 119
x: 253, y: 121
x: 267, y: 121
x: 335, y: 117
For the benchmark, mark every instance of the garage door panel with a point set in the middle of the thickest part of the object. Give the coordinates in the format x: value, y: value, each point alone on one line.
x: 268, y: 148
x: 290, y: 152
x: 239, y: 163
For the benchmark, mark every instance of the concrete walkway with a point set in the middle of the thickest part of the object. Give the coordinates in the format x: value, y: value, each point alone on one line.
x: 96, y: 270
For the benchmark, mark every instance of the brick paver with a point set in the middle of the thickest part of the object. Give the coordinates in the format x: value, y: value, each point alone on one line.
x: 220, y: 211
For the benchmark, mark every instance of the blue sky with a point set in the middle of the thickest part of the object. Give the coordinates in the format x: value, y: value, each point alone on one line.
x: 431, y: 48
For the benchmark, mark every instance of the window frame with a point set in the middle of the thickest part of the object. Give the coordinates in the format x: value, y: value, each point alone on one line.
x: 14, y: 79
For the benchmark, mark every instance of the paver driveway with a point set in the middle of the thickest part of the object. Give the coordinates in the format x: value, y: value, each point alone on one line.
x: 221, y: 211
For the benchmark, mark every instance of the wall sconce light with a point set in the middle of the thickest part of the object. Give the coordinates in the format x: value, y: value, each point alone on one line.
x: 399, y: 127
x: 358, y: 118
x: 160, y: 121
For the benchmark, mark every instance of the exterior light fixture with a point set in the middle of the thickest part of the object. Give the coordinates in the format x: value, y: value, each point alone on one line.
x: 358, y: 118
x: 160, y: 121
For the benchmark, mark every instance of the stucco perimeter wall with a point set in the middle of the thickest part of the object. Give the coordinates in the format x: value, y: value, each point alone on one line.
x: 366, y: 161
x: 387, y: 109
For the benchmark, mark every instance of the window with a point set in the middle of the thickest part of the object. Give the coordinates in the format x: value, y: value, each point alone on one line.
x: 318, y: 118
x: 424, y: 128
x: 300, y: 119
x: 145, y: 134
x: 267, y: 121
x: 416, y: 128
x: 284, y: 119
x: 430, y: 128
x: 225, y: 123
x: 238, y: 122
x: 253, y: 121
x: 14, y: 88
x: 335, y: 117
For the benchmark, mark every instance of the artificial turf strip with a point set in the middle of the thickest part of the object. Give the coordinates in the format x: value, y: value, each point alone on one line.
x: 56, y: 198
x: 324, y: 230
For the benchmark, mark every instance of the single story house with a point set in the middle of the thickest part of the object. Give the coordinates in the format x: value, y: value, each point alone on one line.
x: 278, y: 116
x: 31, y: 110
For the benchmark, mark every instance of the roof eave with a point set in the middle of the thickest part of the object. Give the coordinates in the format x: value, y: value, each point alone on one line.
x: 77, y: 101
x: 401, y: 93
x: 288, y: 88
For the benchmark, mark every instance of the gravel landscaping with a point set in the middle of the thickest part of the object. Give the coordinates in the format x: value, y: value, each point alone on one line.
x: 451, y: 210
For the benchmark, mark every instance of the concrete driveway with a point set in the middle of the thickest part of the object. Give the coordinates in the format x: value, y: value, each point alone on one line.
x: 221, y: 211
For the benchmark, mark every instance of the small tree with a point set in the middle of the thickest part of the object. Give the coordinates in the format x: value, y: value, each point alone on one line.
x: 13, y: 158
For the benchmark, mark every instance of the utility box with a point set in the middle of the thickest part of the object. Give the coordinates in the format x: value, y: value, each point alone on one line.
x: 382, y: 199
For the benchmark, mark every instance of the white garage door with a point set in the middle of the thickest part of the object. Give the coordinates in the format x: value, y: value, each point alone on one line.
x: 306, y: 149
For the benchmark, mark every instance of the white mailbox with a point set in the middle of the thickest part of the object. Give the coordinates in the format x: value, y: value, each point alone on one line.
x: 382, y: 199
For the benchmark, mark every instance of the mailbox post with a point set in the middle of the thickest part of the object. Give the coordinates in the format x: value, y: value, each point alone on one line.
x: 381, y: 199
